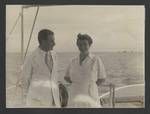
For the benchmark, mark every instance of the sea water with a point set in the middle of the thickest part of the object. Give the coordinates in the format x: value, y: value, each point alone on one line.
x: 122, y: 68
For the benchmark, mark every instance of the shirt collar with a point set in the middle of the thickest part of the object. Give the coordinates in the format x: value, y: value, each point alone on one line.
x: 90, y: 55
x: 44, y: 52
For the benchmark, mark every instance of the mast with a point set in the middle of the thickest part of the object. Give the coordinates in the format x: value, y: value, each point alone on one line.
x: 22, y: 35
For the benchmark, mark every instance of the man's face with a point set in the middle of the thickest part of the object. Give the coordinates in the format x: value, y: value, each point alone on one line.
x: 49, y: 43
x: 83, y: 46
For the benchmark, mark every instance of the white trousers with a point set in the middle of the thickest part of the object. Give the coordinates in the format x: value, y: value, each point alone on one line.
x: 39, y: 103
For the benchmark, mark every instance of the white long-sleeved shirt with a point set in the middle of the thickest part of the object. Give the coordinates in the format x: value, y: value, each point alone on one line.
x: 38, y: 82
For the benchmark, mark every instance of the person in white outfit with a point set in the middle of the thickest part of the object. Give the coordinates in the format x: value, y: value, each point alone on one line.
x: 85, y: 73
x: 40, y: 86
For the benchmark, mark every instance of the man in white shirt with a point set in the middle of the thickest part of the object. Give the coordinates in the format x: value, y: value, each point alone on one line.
x: 40, y: 86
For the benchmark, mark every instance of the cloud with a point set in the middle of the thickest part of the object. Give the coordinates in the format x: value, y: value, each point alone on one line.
x: 112, y: 27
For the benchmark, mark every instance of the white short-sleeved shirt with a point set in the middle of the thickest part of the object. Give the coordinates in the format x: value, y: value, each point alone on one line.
x: 84, y: 76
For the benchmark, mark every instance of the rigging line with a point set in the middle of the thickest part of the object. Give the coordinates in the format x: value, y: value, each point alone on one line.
x: 31, y: 31
x: 14, y: 24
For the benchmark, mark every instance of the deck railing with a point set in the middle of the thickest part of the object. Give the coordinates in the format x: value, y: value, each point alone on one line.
x: 111, y: 99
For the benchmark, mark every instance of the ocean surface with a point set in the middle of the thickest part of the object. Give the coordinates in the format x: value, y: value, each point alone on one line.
x: 122, y: 68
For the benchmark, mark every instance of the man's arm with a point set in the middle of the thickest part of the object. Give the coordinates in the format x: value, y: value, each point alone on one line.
x: 67, y: 75
x: 26, y: 76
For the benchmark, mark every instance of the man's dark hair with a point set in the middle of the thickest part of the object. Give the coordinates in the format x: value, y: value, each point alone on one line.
x: 84, y: 37
x: 42, y: 35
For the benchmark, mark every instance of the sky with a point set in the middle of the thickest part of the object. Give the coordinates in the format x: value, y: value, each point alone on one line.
x: 112, y: 28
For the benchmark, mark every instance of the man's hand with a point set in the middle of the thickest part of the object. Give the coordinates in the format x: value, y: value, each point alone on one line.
x: 68, y: 79
x: 100, y: 81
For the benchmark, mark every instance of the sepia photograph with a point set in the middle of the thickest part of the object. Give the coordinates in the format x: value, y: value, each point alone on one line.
x: 75, y: 56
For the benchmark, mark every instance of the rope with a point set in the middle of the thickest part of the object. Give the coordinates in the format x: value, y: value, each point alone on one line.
x: 31, y: 31
x: 11, y: 87
x: 16, y: 85
x: 14, y: 25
